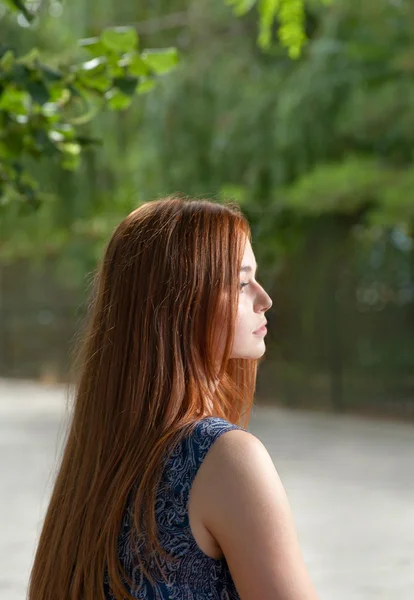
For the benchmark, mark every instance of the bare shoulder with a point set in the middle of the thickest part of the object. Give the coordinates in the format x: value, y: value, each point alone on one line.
x: 236, y: 464
x: 243, y: 504
x: 238, y: 445
x: 237, y: 453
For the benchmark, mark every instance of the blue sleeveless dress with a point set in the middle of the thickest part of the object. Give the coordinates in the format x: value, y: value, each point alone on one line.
x: 195, y: 575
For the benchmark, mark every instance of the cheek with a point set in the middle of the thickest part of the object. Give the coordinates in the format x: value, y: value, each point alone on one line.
x: 242, y: 321
x: 242, y: 329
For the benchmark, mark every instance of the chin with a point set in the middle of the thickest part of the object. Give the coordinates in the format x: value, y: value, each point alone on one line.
x: 254, y: 354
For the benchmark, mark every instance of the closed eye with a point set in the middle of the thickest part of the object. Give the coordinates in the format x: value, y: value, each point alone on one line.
x: 242, y: 285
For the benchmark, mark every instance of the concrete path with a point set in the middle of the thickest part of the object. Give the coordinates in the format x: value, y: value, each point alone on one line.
x: 350, y: 482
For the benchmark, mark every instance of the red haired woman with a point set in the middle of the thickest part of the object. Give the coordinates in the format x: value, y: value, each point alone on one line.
x: 161, y: 492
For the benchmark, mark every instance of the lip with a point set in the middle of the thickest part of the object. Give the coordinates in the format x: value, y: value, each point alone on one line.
x: 262, y: 328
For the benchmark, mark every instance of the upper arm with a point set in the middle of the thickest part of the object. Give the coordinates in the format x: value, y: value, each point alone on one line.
x: 245, y: 508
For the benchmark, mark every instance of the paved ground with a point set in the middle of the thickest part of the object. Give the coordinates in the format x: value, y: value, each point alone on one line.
x: 350, y: 483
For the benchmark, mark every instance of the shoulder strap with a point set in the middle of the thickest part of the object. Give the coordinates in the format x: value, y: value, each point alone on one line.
x: 206, y: 432
x: 178, y: 476
x: 183, y: 463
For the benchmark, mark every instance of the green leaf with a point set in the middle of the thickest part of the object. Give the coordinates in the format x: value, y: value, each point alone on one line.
x: 59, y: 96
x: 21, y: 75
x: 95, y: 75
x: 93, y: 45
x: 161, y: 60
x: 56, y: 136
x: 71, y: 148
x: 95, y: 64
x: 7, y: 61
x: 290, y: 15
x: 145, y: 85
x: 120, y: 39
x: 114, y: 68
x: 38, y: 91
x: 101, y: 82
x: 137, y: 66
x: 70, y: 162
x: 62, y: 132
x: 127, y: 84
x: 71, y: 155
x: 268, y: 11
x: 117, y: 100
x: 15, y: 101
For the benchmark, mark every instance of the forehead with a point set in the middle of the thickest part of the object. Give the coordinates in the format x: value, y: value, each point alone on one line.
x: 248, y: 257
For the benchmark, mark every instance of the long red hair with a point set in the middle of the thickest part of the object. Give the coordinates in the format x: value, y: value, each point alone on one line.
x: 147, y: 369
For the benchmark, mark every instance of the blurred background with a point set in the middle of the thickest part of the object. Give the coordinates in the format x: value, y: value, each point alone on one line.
x: 304, y: 114
x: 318, y: 150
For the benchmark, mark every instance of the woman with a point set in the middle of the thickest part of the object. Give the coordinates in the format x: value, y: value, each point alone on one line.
x: 161, y: 492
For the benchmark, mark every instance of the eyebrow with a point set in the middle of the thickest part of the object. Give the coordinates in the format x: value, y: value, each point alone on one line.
x: 247, y: 268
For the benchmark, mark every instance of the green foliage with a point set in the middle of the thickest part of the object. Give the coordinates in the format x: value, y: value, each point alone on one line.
x: 161, y: 61
x: 374, y: 193
x: 292, y: 141
x: 43, y: 108
x: 290, y: 14
x: 344, y: 187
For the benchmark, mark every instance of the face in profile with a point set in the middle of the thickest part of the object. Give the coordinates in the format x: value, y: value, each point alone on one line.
x: 254, y: 302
